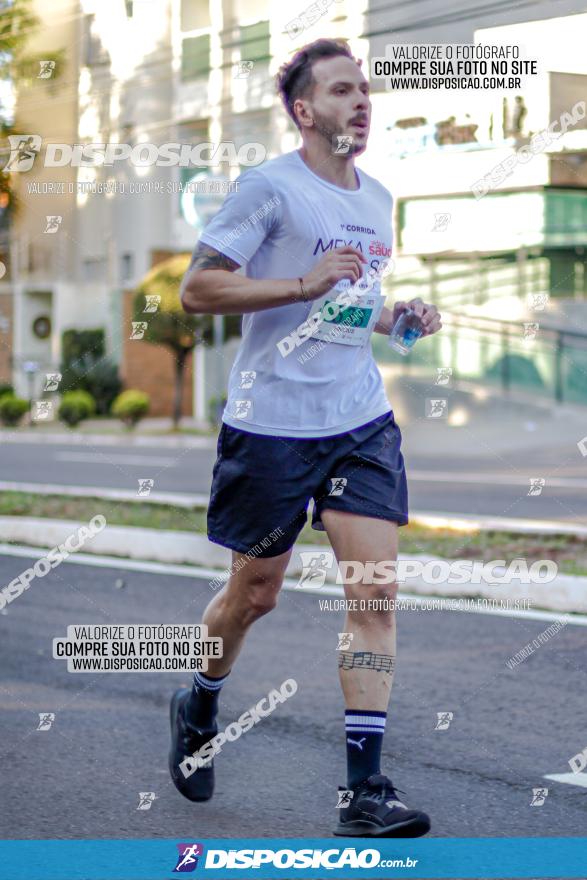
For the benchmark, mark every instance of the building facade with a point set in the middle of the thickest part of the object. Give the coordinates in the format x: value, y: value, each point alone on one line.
x: 201, y: 73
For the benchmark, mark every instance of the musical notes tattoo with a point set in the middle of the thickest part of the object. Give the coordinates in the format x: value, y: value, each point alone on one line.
x: 366, y: 660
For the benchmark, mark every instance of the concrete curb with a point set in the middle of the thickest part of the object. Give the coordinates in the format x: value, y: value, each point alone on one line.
x: 128, y: 542
x: 471, y: 522
x: 566, y: 593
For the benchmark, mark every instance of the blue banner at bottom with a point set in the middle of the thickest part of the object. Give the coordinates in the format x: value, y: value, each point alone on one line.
x: 467, y: 859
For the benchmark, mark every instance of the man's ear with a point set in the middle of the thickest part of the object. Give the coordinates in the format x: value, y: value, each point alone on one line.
x: 304, y: 117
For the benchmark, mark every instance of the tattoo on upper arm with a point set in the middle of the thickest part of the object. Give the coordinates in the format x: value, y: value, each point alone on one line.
x: 366, y: 660
x: 206, y: 257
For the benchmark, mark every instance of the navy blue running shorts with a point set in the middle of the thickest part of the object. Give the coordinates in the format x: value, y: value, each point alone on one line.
x: 262, y: 485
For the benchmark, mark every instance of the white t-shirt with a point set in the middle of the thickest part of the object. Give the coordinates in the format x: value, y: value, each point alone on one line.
x: 282, y: 220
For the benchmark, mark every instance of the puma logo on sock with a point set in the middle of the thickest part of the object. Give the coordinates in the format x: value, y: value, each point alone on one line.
x: 358, y: 744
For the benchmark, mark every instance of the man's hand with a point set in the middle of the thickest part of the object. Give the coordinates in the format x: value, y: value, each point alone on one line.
x: 342, y: 262
x: 428, y: 314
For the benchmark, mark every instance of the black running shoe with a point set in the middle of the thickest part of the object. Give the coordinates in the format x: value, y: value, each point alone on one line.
x: 376, y: 811
x: 185, y: 740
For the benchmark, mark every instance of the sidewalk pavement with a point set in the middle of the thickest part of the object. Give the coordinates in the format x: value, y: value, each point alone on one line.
x: 478, y: 420
x: 110, y: 425
x: 564, y: 594
x: 110, y: 432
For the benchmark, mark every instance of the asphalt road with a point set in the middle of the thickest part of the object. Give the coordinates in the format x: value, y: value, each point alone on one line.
x: 109, y: 740
x: 488, y: 481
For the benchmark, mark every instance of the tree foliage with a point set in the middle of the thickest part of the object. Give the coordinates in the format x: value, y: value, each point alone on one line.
x: 169, y: 325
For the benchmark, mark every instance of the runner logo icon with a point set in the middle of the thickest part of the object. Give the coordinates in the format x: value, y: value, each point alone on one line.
x: 315, y: 566
x: 187, y: 859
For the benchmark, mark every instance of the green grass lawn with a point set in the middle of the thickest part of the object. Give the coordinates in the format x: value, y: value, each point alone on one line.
x: 568, y: 551
x: 119, y: 513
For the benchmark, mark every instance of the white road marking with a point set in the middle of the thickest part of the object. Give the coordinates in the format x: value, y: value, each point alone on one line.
x: 579, y: 779
x: 196, y: 571
x: 117, y: 458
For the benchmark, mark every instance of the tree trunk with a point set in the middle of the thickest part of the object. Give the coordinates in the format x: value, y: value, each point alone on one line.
x: 179, y: 372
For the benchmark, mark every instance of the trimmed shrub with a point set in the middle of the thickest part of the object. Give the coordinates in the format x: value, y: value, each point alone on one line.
x: 76, y: 406
x: 131, y: 406
x: 12, y: 409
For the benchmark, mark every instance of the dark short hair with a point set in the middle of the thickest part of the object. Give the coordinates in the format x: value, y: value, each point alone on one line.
x: 295, y: 78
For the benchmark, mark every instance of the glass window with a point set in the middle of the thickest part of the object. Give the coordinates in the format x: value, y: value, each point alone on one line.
x: 254, y: 41
x: 191, y: 133
x: 126, y: 268
x: 195, y: 57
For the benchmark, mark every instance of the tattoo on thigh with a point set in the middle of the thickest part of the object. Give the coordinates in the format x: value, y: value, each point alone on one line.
x: 366, y: 660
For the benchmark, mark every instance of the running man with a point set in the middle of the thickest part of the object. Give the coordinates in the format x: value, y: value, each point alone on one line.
x: 307, y: 414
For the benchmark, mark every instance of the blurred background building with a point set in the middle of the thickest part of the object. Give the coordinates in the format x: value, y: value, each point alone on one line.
x: 201, y: 71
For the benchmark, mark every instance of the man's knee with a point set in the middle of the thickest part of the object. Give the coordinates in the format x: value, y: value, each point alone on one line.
x: 260, y: 590
x: 261, y: 599
x: 378, y: 599
x: 253, y: 589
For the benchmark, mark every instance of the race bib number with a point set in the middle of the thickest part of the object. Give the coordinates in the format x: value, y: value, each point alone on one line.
x: 348, y: 324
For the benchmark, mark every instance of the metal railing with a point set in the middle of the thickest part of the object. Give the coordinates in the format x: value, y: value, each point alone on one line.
x: 496, y: 353
x: 565, y: 349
